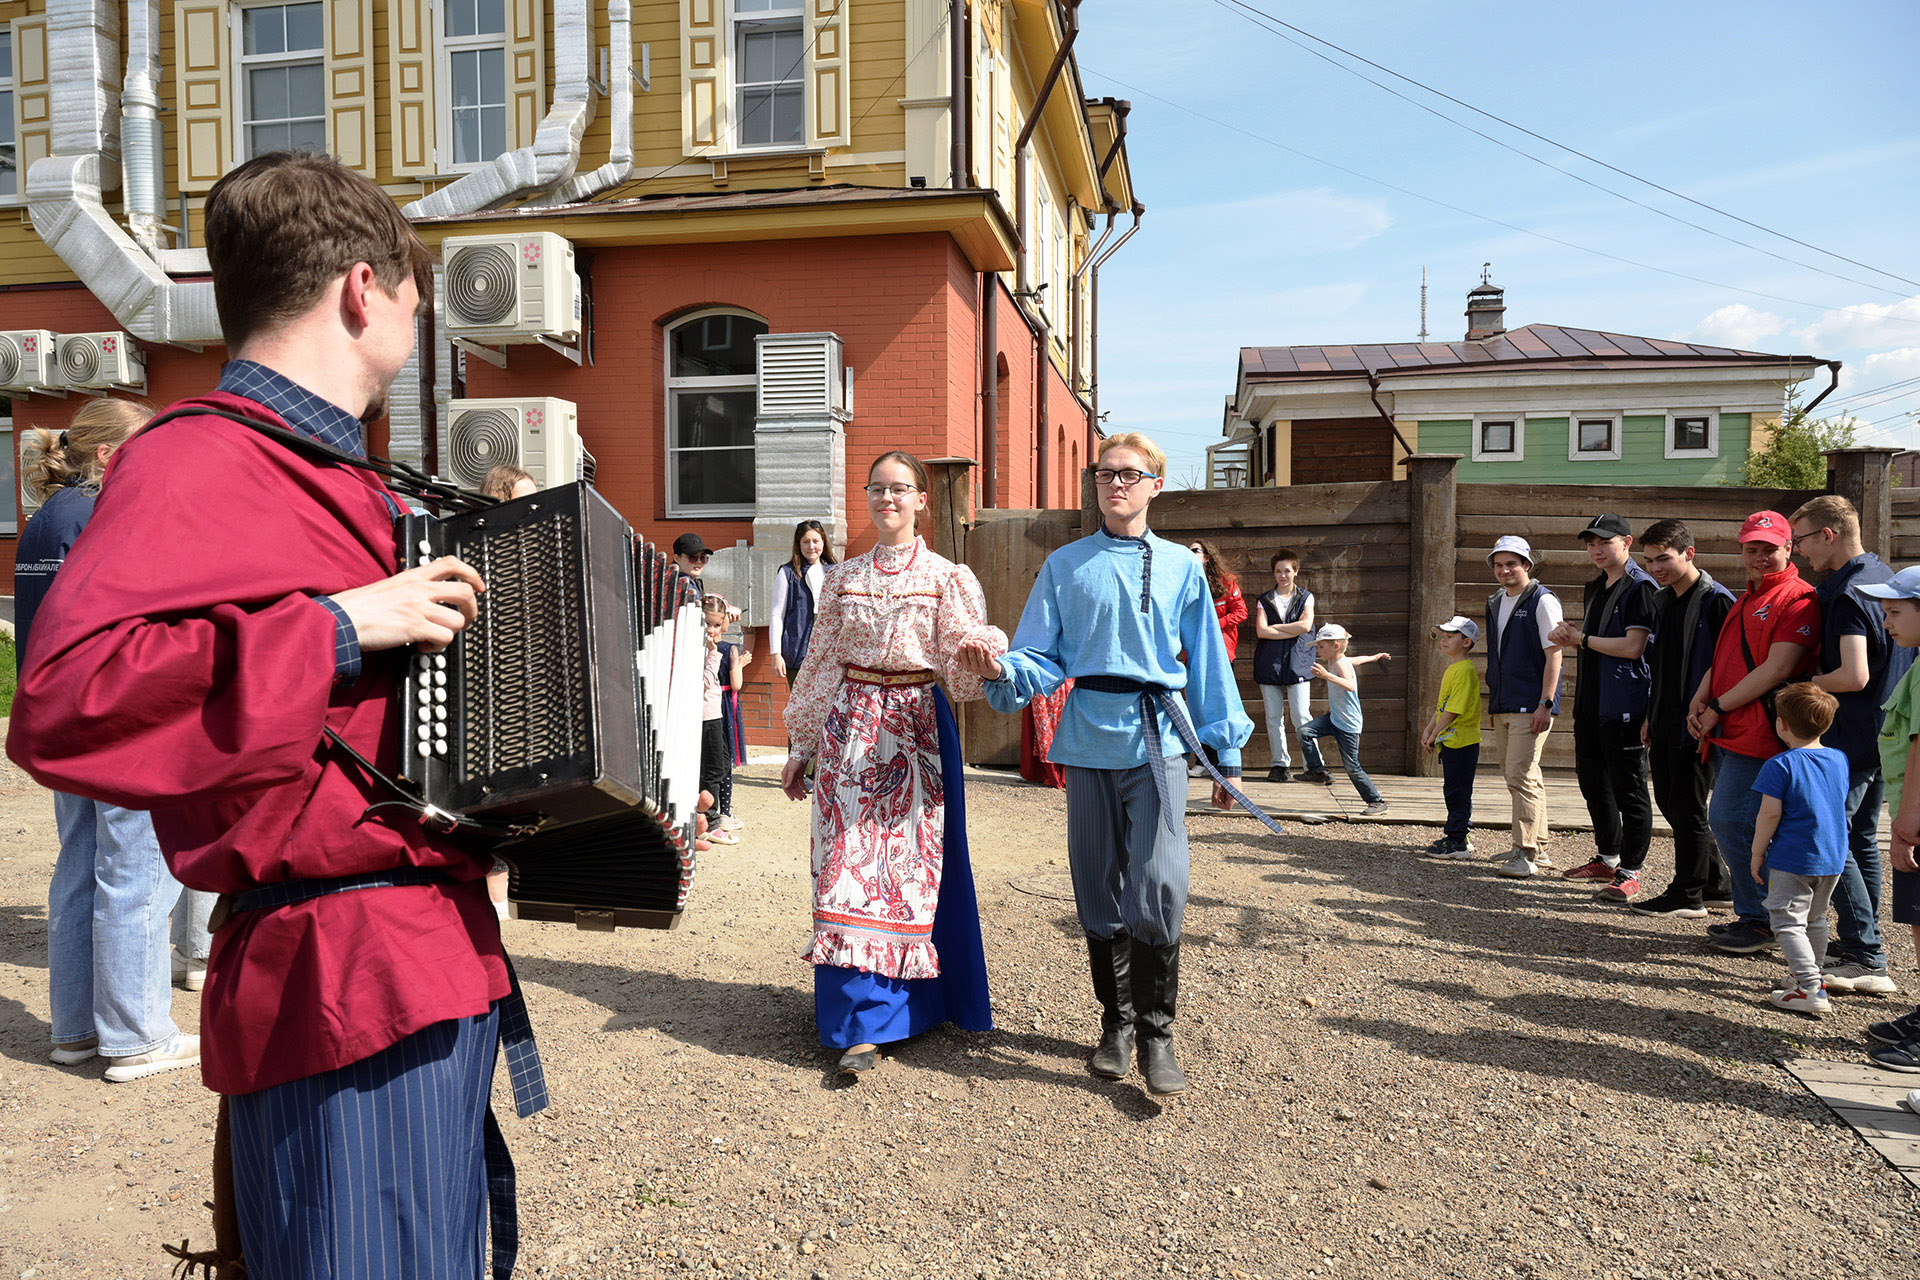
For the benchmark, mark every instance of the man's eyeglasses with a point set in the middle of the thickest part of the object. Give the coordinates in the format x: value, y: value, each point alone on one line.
x: 1126, y: 479
x: 1795, y: 544
x: 898, y: 492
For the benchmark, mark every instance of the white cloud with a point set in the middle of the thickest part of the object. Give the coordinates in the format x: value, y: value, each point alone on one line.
x: 1883, y: 367
x: 1871, y: 324
x: 1738, y: 325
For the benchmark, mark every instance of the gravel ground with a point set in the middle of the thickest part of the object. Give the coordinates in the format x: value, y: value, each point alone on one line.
x: 1401, y: 1067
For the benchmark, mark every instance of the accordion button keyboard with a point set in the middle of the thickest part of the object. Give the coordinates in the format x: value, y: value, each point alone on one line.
x: 439, y: 749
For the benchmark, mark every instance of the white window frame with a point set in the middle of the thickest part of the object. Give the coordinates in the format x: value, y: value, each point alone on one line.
x: 1519, y: 451
x: 1713, y: 433
x: 243, y: 62
x: 445, y: 46
x: 1574, y: 451
x: 792, y: 13
x: 9, y: 86
x: 732, y: 382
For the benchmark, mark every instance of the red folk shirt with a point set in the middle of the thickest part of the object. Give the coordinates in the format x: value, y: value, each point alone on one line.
x: 1231, y: 609
x: 1780, y: 608
x: 182, y: 666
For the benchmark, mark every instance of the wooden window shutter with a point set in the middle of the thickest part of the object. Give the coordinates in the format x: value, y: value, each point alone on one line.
x: 350, y: 83
x: 32, y: 99
x: 411, y: 113
x: 829, y: 73
x: 703, y: 55
x: 526, y: 70
x: 203, y: 91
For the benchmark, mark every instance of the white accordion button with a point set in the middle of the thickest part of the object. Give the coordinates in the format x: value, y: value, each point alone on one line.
x: 426, y: 548
x: 425, y: 732
x: 440, y: 731
x: 440, y: 661
x: 440, y: 678
x: 440, y: 748
x: 439, y: 695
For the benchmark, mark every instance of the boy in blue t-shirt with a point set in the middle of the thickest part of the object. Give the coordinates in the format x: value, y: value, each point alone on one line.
x: 1800, y: 840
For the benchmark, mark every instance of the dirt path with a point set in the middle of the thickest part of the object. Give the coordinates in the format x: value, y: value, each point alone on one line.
x: 1401, y: 1068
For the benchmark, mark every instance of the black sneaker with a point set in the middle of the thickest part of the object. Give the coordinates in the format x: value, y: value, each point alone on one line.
x: 1675, y: 906
x: 1724, y: 926
x: 1904, y: 1056
x: 1903, y: 1028
x: 1320, y: 776
x: 1278, y: 774
x: 1743, y: 939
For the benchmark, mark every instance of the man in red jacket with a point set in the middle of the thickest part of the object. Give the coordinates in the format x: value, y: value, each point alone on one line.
x: 234, y: 601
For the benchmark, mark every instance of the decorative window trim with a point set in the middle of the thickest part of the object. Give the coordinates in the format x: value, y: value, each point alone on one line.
x: 1713, y: 433
x: 1576, y: 454
x: 791, y: 14
x: 445, y: 46
x: 1519, y: 451
x: 10, y: 113
x: 241, y: 62
x: 677, y: 509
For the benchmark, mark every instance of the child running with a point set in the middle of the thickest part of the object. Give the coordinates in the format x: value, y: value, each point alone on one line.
x: 1342, y: 720
x: 1454, y: 731
x: 1800, y: 840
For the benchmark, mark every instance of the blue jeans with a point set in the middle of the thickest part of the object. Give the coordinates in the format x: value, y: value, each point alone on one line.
x: 191, y: 915
x: 1731, y: 813
x: 108, y: 972
x: 1457, y: 767
x: 1856, y: 899
x: 1286, y: 704
x: 1323, y: 726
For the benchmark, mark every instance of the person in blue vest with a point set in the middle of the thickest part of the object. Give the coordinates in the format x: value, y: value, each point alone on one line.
x: 1283, y: 667
x: 1610, y: 693
x: 1523, y: 695
x: 1859, y: 664
x: 796, y: 595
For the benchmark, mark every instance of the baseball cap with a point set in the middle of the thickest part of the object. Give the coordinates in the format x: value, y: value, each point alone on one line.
x: 690, y: 545
x: 1608, y: 526
x: 1904, y: 585
x: 1766, y: 526
x: 1511, y: 542
x: 1332, y: 631
x: 1465, y: 626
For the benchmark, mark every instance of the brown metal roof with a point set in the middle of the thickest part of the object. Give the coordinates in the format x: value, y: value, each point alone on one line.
x: 707, y: 202
x: 1536, y: 344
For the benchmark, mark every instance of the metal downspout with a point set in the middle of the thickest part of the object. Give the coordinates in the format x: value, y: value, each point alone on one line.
x: 959, y: 119
x: 141, y: 156
x: 620, y: 123
x: 1076, y: 327
x: 1833, y: 371
x: 1026, y: 135
x: 1093, y: 323
x: 1121, y: 110
x: 555, y: 153
x: 1373, y: 394
x: 990, y: 388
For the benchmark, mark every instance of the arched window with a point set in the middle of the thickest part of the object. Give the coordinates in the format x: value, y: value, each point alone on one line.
x: 712, y: 369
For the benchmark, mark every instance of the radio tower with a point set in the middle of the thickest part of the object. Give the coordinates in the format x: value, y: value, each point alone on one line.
x: 1423, y: 304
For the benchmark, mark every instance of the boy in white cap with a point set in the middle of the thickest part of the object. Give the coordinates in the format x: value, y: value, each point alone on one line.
x: 1523, y: 694
x: 1454, y: 731
x: 1342, y: 719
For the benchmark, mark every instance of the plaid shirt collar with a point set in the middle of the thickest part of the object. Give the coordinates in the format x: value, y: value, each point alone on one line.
x: 304, y: 411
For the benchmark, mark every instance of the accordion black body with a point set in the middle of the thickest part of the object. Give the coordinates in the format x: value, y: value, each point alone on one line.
x: 554, y: 713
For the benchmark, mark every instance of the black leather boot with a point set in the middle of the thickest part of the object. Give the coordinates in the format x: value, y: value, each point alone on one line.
x: 1156, y: 995
x: 1113, y: 988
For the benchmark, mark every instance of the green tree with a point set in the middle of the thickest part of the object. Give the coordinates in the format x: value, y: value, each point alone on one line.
x: 1791, y: 459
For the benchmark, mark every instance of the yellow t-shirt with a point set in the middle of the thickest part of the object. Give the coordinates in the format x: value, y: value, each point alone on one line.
x: 1460, y: 694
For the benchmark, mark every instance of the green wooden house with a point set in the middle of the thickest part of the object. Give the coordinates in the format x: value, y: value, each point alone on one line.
x: 1544, y: 404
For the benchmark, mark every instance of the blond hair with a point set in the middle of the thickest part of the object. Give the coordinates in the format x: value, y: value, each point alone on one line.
x: 1830, y: 511
x: 1140, y: 443
x: 52, y: 460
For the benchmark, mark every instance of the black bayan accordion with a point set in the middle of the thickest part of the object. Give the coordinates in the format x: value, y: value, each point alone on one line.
x: 565, y: 719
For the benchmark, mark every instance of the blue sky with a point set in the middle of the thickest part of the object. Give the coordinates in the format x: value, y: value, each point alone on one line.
x: 1801, y: 118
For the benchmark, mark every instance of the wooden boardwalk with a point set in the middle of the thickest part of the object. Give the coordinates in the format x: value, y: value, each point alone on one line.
x: 1869, y: 1100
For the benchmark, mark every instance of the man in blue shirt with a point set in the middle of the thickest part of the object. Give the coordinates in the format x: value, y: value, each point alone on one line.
x: 1115, y: 611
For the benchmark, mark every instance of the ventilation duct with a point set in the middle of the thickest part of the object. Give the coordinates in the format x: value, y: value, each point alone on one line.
x: 620, y: 124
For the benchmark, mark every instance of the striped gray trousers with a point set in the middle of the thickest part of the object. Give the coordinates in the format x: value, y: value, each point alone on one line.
x: 1129, y: 871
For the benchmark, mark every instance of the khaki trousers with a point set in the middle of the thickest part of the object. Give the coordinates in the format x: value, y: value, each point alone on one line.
x: 1520, y: 749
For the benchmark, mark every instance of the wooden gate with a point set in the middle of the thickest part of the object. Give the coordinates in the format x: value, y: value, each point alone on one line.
x: 1005, y: 551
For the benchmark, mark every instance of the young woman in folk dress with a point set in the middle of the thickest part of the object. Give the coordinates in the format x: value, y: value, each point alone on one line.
x: 896, y: 928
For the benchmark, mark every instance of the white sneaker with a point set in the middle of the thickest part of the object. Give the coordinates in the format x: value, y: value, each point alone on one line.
x: 181, y: 1051
x: 1518, y: 867
x: 69, y: 1055
x: 191, y: 974
x: 730, y: 823
x: 1912, y: 1102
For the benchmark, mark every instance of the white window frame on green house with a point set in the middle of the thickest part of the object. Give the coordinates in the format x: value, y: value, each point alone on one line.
x: 1518, y: 423
x: 1676, y: 416
x: 475, y: 45
x: 245, y: 63
x: 12, y: 182
x: 1575, y: 453
x: 762, y: 18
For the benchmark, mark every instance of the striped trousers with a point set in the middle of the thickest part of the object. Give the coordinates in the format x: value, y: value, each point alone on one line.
x: 1129, y: 870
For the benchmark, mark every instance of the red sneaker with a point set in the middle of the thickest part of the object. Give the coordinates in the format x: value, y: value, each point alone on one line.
x: 1625, y: 886
x: 1594, y: 870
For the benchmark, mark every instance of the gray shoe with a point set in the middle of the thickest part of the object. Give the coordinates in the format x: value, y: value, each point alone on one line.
x: 1374, y: 810
x: 1518, y: 867
x: 1857, y: 979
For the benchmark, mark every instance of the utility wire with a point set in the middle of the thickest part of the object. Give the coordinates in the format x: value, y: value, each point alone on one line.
x: 1469, y: 213
x: 1874, y: 391
x: 1252, y: 12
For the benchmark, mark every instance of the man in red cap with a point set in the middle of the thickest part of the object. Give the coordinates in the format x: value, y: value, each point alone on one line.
x: 1769, y: 639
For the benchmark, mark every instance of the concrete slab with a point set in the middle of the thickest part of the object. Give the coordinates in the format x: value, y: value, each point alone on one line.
x: 1871, y: 1102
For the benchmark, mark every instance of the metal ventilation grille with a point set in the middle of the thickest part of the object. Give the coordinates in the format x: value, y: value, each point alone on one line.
x: 12, y: 362
x: 480, y: 285
x: 80, y: 361
x: 526, y: 693
x: 480, y: 440
x: 793, y: 378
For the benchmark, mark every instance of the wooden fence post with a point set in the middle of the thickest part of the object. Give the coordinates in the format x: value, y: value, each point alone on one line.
x: 1864, y: 477
x: 1433, y: 533
x: 1089, y: 503
x: 949, y: 506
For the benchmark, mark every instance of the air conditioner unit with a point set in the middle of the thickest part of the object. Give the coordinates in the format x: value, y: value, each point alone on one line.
x: 504, y: 289
x: 541, y: 437
x: 803, y: 377
x: 99, y: 361
x: 27, y: 359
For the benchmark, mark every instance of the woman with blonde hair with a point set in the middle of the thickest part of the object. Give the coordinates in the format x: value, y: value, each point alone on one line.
x: 107, y: 936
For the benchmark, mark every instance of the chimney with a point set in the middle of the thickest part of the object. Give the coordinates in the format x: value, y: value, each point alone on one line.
x: 1486, y: 308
